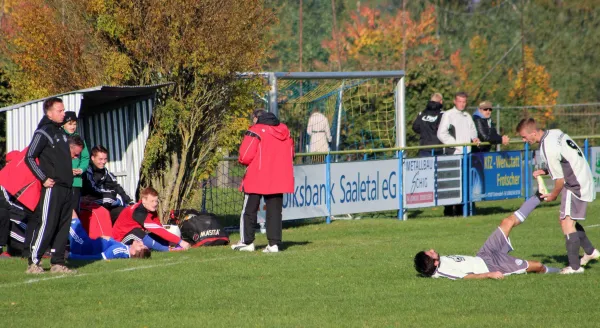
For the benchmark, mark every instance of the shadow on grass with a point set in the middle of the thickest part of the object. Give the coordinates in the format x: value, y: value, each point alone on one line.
x: 545, y: 258
x: 72, y: 264
x: 288, y: 244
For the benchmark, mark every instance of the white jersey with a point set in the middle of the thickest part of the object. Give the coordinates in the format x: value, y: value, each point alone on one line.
x: 457, y: 266
x: 565, y: 160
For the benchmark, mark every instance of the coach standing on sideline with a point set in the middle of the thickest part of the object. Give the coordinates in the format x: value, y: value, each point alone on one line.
x: 268, y: 152
x: 50, y: 146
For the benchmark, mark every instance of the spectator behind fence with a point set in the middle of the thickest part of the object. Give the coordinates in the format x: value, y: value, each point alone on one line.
x: 426, y: 126
x: 320, y: 134
x: 101, y: 186
x: 50, y: 146
x: 457, y: 127
x: 486, y: 131
x: 80, y: 164
x: 268, y: 152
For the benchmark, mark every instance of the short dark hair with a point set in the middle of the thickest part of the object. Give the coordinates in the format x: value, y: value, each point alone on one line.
x: 526, y: 123
x: 75, y: 140
x: 258, y: 113
x: 48, y: 103
x: 424, y: 264
x: 461, y: 94
x: 144, y: 253
x: 99, y: 149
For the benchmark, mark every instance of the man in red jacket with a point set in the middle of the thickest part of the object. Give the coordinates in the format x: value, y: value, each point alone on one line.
x: 141, y: 222
x: 268, y: 152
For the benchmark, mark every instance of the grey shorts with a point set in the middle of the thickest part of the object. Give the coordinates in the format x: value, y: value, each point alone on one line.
x: 572, y: 206
x: 494, y: 253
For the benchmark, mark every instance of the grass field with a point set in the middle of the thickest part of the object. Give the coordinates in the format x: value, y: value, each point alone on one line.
x: 347, y: 274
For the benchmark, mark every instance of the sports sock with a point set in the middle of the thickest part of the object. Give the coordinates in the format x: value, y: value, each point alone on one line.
x: 551, y: 270
x: 586, y: 244
x: 154, y: 245
x: 530, y: 204
x: 573, y: 243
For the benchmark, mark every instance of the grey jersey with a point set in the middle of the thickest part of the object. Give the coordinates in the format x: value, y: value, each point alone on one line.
x: 564, y: 159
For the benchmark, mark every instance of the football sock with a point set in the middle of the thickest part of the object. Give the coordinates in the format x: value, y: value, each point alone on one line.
x: 530, y: 204
x: 154, y: 245
x: 573, y: 243
x: 583, y: 239
x: 551, y: 270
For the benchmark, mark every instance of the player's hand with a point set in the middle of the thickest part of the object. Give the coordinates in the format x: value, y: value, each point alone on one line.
x: 477, y: 141
x: 549, y: 197
x: 495, y: 275
x: 185, y: 244
x: 538, y: 172
x: 49, y: 183
x: 505, y: 140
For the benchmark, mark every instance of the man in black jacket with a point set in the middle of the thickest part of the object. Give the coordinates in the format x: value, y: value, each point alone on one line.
x: 102, y: 187
x: 486, y: 132
x: 50, y: 146
x: 426, y: 125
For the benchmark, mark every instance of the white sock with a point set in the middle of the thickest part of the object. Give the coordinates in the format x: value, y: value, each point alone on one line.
x: 551, y: 270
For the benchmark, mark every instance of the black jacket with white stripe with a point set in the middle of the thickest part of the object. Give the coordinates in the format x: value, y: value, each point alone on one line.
x: 103, y: 185
x: 54, y: 157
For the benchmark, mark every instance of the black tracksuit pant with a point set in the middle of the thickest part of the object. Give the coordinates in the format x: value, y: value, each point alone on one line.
x: 274, y: 216
x: 54, y: 212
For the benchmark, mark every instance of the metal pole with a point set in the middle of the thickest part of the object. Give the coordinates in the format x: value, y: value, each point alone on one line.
x: 339, y: 119
x: 527, y: 177
x: 498, y: 125
x: 328, y: 187
x: 464, y: 180
x: 401, y: 214
x: 400, y: 96
x: 273, y: 95
x: 585, y: 149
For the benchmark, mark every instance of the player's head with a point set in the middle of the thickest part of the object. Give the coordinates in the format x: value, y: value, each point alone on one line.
x: 426, y: 262
x: 528, y: 131
x: 138, y: 250
x: 149, y: 198
x: 256, y: 114
x: 437, y: 97
x: 75, y: 145
x: 54, y: 109
x: 99, y: 156
x: 460, y: 101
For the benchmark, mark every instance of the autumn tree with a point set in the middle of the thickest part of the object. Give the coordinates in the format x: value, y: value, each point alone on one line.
x: 533, y: 88
x: 199, y: 45
x: 374, y: 41
x: 48, y: 47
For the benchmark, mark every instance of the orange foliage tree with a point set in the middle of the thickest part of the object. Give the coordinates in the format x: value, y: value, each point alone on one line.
x: 533, y: 88
x: 371, y: 41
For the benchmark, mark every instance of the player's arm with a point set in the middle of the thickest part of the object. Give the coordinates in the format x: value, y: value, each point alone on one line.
x: 443, y: 133
x: 35, y: 149
x: 558, y: 186
x: 487, y: 275
x: 249, y: 148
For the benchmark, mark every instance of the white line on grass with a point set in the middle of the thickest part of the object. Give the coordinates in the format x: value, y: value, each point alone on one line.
x: 593, y: 226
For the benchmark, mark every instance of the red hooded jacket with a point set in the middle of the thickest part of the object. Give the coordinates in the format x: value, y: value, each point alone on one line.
x: 268, y: 152
x: 138, y: 217
x: 17, y: 179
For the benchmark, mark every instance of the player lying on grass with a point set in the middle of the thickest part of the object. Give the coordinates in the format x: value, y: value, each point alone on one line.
x: 492, y: 260
x: 105, y: 248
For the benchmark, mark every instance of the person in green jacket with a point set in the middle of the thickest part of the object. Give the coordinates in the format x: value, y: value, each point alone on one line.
x: 80, y: 164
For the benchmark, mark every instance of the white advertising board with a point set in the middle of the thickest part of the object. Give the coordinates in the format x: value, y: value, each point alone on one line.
x: 419, y: 182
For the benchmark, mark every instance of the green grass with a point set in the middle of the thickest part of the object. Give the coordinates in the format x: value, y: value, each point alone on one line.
x: 347, y: 274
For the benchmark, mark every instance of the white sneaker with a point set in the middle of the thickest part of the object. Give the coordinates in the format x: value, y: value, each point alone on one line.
x: 271, y: 249
x: 569, y: 270
x: 243, y: 247
x: 586, y: 258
